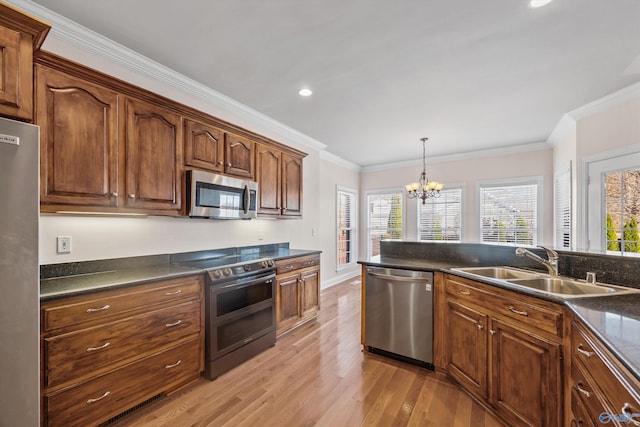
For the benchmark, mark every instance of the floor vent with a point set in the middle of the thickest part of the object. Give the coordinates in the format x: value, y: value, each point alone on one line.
x: 132, y: 410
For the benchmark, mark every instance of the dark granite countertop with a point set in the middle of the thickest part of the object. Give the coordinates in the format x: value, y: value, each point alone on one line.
x: 78, y: 278
x: 615, y: 319
x: 82, y: 283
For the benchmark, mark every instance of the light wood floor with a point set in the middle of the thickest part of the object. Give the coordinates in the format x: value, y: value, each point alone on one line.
x: 319, y: 375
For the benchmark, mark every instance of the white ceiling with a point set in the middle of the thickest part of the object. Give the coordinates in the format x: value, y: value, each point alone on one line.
x: 468, y: 74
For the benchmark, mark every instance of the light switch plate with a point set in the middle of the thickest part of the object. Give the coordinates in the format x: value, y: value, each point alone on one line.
x: 64, y: 244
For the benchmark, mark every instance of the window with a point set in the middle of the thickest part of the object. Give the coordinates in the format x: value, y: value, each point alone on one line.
x: 614, y: 204
x: 509, y: 213
x: 439, y: 218
x: 562, y: 209
x: 622, y: 205
x: 385, y: 219
x: 346, y: 227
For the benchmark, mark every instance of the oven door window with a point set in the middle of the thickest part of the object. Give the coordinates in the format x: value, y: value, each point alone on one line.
x: 218, y: 196
x: 242, y: 297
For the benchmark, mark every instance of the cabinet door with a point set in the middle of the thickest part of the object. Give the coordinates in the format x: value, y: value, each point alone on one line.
x: 287, y: 301
x: 268, y: 162
x: 291, y: 185
x: 78, y: 140
x: 525, y: 376
x: 310, y: 292
x: 153, y: 157
x: 16, y: 74
x: 467, y: 347
x: 239, y: 156
x: 204, y: 146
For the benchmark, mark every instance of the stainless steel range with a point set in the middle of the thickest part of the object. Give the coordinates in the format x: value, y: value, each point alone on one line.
x: 240, y: 310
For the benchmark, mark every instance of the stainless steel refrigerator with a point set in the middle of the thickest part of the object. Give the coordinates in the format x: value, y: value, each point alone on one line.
x: 19, y: 274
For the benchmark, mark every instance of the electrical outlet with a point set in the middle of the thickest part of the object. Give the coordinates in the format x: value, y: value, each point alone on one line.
x: 260, y: 235
x: 64, y: 244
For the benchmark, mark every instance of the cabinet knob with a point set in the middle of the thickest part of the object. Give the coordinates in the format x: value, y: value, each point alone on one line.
x: 220, y: 163
x: 114, y: 194
x: 479, y: 326
x: 228, y: 165
x: 492, y: 332
x: 132, y: 196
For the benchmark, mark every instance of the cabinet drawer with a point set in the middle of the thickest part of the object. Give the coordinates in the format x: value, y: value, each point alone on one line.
x: 512, y: 307
x: 582, y: 388
x: 589, y: 353
x: 106, y: 304
x: 93, y: 350
x: 580, y: 416
x: 98, y: 400
x: 291, y: 264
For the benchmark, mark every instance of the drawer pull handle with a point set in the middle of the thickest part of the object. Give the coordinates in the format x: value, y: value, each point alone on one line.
x: 179, y: 291
x: 289, y: 267
x: 92, y: 310
x: 176, y: 323
x: 582, y: 390
x: 492, y: 332
x: 479, y: 326
x: 174, y: 365
x: 628, y: 411
x: 521, y: 313
x: 105, y: 345
x: 463, y: 292
x: 106, y: 393
x: 586, y: 353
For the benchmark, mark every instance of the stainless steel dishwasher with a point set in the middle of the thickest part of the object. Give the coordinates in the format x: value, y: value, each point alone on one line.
x: 399, y: 313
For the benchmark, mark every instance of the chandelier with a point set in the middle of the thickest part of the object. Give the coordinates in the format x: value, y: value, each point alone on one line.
x: 423, y: 189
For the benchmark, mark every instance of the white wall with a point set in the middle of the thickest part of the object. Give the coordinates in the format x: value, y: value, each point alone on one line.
x: 468, y: 171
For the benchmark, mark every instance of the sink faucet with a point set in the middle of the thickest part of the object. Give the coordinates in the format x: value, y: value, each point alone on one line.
x: 551, y: 263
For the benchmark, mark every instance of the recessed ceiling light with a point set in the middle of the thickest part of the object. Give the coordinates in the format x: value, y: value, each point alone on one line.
x: 539, y: 3
x: 305, y: 92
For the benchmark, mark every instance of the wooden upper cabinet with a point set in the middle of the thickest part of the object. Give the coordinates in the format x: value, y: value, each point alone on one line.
x: 268, y: 175
x: 154, y: 157
x: 78, y: 140
x: 291, y: 185
x: 204, y: 146
x: 20, y: 36
x: 239, y: 156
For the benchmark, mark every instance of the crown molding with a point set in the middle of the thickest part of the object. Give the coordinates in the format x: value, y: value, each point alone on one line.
x: 330, y: 157
x: 606, y: 102
x: 491, y: 152
x: 72, y: 33
x: 564, y: 126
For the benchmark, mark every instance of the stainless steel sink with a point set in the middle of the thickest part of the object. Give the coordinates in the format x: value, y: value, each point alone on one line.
x: 562, y: 286
x: 504, y: 273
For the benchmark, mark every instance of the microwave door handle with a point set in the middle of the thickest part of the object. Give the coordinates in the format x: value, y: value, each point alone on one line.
x: 246, y: 199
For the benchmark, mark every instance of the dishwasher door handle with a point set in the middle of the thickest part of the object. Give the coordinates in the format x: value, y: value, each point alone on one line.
x: 400, y: 278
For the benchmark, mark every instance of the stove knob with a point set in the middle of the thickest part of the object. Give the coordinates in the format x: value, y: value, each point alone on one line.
x: 246, y: 267
x: 217, y: 274
x: 227, y: 272
x: 263, y: 264
x: 270, y: 263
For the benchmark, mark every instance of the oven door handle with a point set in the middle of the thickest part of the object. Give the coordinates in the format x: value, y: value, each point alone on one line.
x: 265, y: 279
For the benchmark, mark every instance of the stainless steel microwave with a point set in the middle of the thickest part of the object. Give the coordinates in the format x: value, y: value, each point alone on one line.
x: 220, y: 197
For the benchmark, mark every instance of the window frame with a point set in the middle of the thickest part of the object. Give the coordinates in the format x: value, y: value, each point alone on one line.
x: 563, y: 177
x: 366, y: 196
x: 460, y: 188
x: 354, y: 227
x: 531, y: 180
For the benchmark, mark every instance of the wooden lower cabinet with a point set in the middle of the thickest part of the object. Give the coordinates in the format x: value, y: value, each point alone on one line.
x: 495, y: 350
x: 297, y: 291
x: 602, y: 390
x: 108, y: 351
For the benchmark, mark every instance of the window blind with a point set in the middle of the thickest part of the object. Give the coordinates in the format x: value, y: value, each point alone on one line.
x: 440, y: 218
x: 384, y: 218
x: 346, y: 223
x: 508, y: 214
x: 562, y: 217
